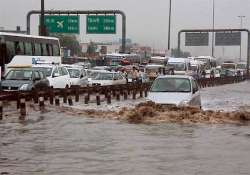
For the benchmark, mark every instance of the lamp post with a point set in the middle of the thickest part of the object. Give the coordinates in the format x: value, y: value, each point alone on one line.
x: 42, y: 29
x: 213, y: 32
x: 241, y: 24
x: 169, y: 23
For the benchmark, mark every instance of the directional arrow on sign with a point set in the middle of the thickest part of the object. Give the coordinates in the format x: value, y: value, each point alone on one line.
x: 60, y: 24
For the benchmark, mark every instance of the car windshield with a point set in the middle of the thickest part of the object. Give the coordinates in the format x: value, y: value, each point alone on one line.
x: 104, y: 76
x: 171, y: 85
x: 241, y: 66
x: 228, y: 66
x: 178, y: 66
x: 19, y: 75
x: 74, y: 73
x: 92, y: 74
x: 194, y: 67
x: 47, y: 70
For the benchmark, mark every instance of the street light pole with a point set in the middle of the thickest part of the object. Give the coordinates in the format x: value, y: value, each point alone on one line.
x: 213, y: 33
x: 169, y: 23
x: 42, y: 29
x: 241, y: 24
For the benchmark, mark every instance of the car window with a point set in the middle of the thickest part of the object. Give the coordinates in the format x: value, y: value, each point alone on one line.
x: 55, y: 71
x: 171, y: 85
x: 103, y: 76
x: 36, y: 75
x: 41, y: 75
x: 74, y: 73
x: 116, y: 76
x: 46, y: 70
x: 195, y: 86
x: 84, y: 73
x: 60, y: 71
x: 64, y: 71
x: 19, y: 75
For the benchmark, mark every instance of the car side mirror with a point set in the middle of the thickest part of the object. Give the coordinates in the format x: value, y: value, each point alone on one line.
x: 195, y: 90
x: 56, y: 75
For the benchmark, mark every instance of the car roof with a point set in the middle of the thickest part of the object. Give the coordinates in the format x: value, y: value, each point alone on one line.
x: 70, y: 66
x: 43, y: 65
x: 175, y: 76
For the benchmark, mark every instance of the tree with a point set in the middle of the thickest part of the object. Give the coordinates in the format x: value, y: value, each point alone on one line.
x: 175, y: 53
x: 92, y: 47
x: 70, y: 42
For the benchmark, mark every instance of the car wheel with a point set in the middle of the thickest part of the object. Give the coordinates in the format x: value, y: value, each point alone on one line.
x: 67, y: 86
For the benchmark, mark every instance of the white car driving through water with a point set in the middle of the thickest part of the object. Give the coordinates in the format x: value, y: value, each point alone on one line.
x: 179, y: 90
x: 105, y: 78
x: 77, y: 74
x: 57, y: 75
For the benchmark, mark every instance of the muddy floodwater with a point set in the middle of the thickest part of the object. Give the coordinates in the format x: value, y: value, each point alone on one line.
x: 58, y: 144
x: 63, y: 143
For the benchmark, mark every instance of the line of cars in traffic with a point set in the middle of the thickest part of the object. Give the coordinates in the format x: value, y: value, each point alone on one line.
x: 44, y: 75
x: 174, y: 89
x: 166, y: 89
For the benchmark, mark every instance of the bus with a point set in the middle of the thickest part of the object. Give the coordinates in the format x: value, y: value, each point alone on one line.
x: 20, y: 49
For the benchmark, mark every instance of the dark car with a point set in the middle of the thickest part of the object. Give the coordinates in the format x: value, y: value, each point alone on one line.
x: 227, y: 73
x: 24, y: 79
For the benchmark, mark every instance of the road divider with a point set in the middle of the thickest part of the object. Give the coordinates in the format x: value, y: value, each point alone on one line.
x: 92, y: 94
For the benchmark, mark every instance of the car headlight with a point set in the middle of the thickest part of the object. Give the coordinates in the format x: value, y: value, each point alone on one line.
x: 184, y: 103
x: 24, y: 87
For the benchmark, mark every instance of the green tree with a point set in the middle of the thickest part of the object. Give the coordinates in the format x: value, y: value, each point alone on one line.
x: 92, y: 47
x: 175, y: 53
x: 70, y: 42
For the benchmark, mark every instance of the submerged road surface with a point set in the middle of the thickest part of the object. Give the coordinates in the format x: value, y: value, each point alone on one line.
x: 52, y: 143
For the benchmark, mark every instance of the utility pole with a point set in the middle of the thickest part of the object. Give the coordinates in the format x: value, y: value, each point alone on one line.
x: 241, y: 25
x: 169, y: 23
x: 42, y: 28
x: 213, y: 33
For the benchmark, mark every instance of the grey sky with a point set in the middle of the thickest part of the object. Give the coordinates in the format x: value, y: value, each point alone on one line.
x: 147, y: 20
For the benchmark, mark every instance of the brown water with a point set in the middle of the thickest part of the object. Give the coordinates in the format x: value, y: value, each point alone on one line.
x: 53, y: 143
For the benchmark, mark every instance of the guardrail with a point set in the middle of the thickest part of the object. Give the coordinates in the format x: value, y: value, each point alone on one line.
x: 109, y: 93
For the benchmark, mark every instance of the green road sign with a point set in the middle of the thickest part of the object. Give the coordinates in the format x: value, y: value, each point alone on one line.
x: 101, y: 24
x: 62, y: 24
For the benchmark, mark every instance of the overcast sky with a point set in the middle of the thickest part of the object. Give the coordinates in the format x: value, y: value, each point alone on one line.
x: 147, y: 20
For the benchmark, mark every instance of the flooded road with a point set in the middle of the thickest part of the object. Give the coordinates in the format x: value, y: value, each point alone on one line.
x: 58, y: 144
x: 62, y: 144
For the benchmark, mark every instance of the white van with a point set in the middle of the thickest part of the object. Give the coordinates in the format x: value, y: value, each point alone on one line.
x: 181, y: 65
x: 179, y: 90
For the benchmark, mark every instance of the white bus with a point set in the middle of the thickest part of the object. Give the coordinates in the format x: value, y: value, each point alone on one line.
x: 20, y: 49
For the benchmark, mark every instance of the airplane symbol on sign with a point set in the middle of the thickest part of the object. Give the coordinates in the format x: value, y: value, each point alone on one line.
x: 60, y: 24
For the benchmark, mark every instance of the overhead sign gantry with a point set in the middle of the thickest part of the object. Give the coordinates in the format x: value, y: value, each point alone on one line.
x: 224, y: 37
x: 103, y: 25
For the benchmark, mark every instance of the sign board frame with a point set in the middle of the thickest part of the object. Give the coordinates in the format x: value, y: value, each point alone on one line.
x: 196, y: 39
x: 101, y: 24
x: 228, y: 38
x: 69, y: 24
